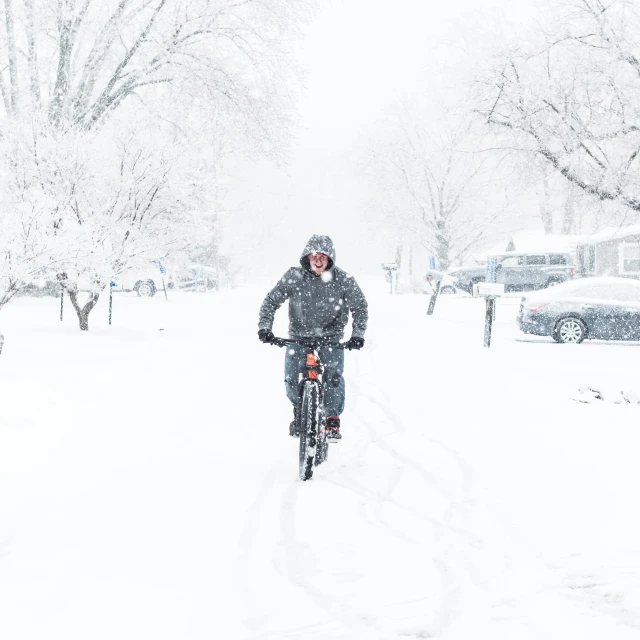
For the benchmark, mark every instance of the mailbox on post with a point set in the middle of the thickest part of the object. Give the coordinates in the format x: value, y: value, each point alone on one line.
x: 489, y: 291
x: 391, y: 268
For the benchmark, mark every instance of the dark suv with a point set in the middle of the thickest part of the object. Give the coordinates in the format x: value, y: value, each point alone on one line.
x: 520, y: 271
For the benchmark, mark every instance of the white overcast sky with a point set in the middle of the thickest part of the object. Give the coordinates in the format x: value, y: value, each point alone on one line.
x: 358, y: 56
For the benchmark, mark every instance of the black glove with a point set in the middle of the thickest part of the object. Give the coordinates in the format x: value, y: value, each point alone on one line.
x: 354, y: 343
x: 266, y: 336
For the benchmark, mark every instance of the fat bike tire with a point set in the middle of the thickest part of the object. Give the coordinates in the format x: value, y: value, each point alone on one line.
x: 309, y: 420
x: 323, y: 450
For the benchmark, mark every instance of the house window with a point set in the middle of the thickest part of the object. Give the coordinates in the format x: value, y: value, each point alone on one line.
x: 629, y: 258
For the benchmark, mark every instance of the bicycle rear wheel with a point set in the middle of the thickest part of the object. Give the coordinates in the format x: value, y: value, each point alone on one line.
x: 323, y: 451
x: 309, y: 419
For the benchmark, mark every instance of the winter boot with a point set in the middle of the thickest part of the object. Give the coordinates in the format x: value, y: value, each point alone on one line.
x: 332, y: 429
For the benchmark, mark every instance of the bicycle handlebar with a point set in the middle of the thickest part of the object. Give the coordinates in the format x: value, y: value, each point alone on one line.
x: 312, y: 344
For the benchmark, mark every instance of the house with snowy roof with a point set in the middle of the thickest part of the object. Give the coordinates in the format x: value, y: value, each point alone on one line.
x: 614, y: 251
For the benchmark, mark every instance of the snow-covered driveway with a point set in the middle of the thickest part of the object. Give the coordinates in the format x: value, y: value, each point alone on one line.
x: 148, y: 487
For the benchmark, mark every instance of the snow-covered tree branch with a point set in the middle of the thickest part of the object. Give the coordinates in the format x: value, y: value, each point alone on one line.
x: 571, y: 95
x: 109, y: 203
x: 81, y: 59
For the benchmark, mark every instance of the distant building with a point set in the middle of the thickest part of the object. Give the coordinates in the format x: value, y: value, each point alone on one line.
x: 614, y: 251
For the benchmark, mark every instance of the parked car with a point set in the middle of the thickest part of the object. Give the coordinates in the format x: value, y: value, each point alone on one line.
x: 463, y: 279
x: 195, y: 277
x: 527, y: 271
x: 448, y: 285
x: 520, y: 271
x: 146, y: 282
x: 39, y: 287
x: 595, y: 308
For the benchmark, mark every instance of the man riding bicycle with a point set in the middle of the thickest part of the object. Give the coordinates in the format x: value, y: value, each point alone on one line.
x: 320, y: 298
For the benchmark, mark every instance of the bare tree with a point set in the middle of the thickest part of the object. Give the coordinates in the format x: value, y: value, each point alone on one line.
x: 81, y: 60
x: 426, y: 182
x: 557, y: 199
x: 571, y: 96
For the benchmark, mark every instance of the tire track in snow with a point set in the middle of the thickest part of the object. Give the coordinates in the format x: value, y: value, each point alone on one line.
x: 255, y: 620
x: 451, y: 599
x: 429, y: 479
x: 358, y: 622
x: 380, y: 520
x: 399, y: 428
x: 460, y: 505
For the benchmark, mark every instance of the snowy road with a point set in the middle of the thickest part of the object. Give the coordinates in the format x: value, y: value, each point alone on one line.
x: 148, y: 487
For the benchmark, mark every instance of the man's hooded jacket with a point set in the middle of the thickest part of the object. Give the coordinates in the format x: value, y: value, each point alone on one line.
x: 318, y: 305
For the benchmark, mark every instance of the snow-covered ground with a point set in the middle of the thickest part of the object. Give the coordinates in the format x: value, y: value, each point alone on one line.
x: 148, y: 487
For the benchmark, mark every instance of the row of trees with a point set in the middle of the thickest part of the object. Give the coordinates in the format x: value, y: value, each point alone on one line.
x: 555, y: 118
x: 116, y: 120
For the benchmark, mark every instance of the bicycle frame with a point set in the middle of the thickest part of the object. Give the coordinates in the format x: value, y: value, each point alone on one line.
x: 311, y: 366
x: 313, y: 444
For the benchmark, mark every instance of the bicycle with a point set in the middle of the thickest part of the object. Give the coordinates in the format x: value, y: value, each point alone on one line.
x: 314, y: 448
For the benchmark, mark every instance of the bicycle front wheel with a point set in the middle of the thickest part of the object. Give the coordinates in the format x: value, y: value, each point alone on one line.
x: 309, y: 420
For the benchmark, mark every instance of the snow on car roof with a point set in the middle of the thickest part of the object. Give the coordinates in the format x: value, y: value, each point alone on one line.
x: 573, y: 288
x: 528, y: 253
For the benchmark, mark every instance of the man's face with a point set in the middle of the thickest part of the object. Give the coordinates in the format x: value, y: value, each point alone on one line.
x: 319, y: 262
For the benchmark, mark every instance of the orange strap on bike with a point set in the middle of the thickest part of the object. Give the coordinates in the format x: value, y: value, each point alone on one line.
x: 311, y: 362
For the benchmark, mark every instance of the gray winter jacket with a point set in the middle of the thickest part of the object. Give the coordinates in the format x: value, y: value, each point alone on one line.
x: 318, y: 305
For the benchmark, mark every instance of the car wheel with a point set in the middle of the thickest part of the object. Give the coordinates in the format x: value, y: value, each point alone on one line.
x: 570, y: 331
x: 448, y: 289
x: 145, y: 289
